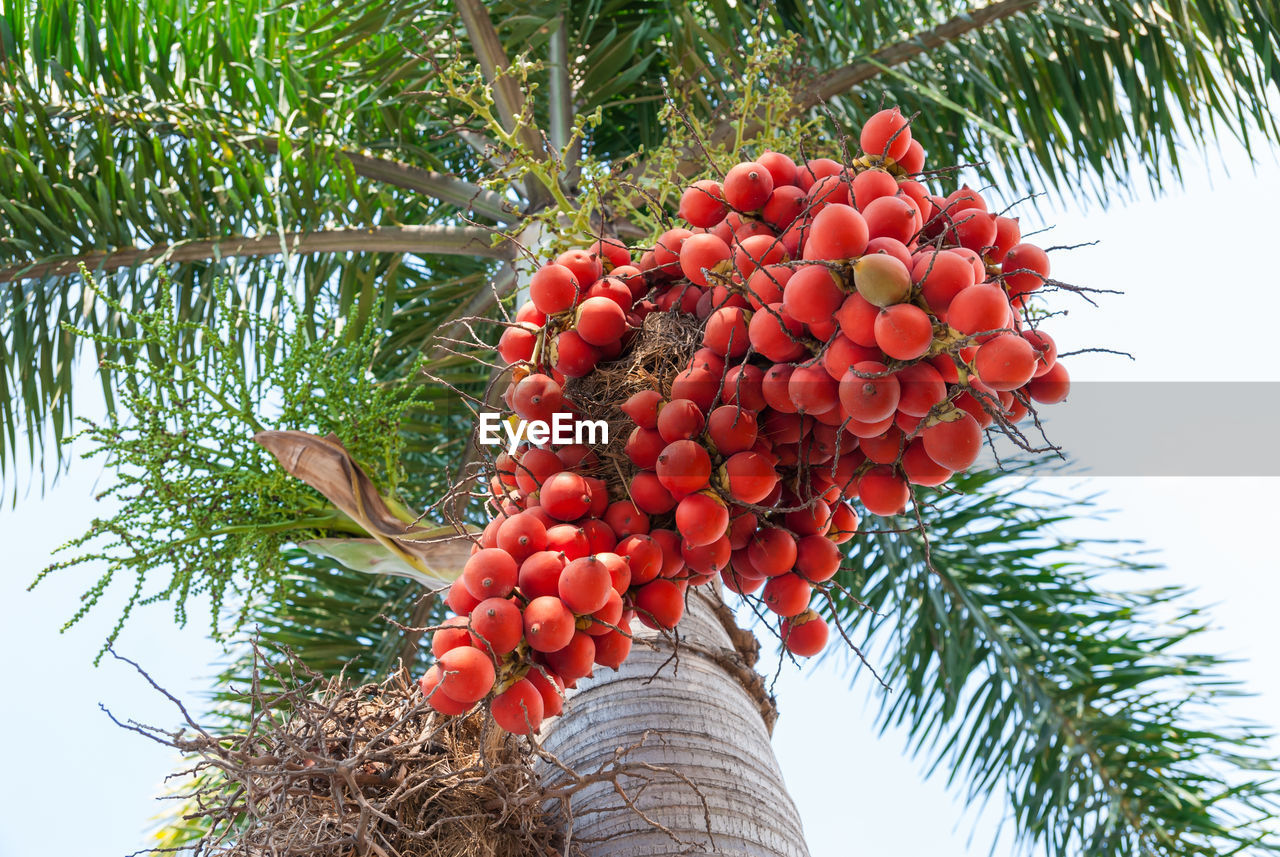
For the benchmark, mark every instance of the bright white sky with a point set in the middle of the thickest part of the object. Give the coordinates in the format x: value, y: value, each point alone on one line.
x: 858, y: 793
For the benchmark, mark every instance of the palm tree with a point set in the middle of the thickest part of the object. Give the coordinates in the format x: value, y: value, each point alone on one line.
x: 343, y: 164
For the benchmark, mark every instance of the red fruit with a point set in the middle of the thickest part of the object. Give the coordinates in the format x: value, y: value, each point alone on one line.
x: 521, y: 535
x: 813, y: 294
x: 548, y: 624
x: 683, y: 468
x: 642, y: 407
x: 1008, y: 233
x: 920, y: 469
x: 886, y: 134
x: 775, y: 334
x: 701, y: 253
x: 784, y: 206
x: 619, y: 570
x: 731, y: 429
x: 460, y: 599
x: 883, y: 448
x: 490, y: 573
x: 1005, y: 362
x: 844, y: 523
x: 870, y: 185
x: 537, y: 397
x: 709, y: 558
x: 519, y: 709
x: 734, y: 581
x: 965, y: 199
x: 1024, y: 268
x: 585, y: 265
x: 941, y: 276
x: 1045, y: 348
x: 611, y: 251
x: 805, y: 634
x: 742, y: 387
x: 609, y: 614
x: 496, y: 626
x: 782, y: 168
x: 828, y: 190
x: 813, y: 390
x: 612, y: 649
x: 1051, y: 387
x: 811, y: 171
x: 869, y: 399
x: 626, y: 519
x: 787, y: 595
x: 566, y: 496
x: 842, y: 352
x: 453, y: 634
x: 857, y: 320
x: 979, y: 309
x: 550, y: 688
x: 643, y: 447
x: 540, y: 574
x: 726, y: 331
x: 922, y: 387
x: 466, y: 674
x: 765, y: 285
x: 600, y: 321
x: 569, y: 540
x: 813, y: 520
x: 429, y: 684
x: 972, y: 229
x: 659, y: 604
x: 516, y: 344
x: 883, y: 492
x: 776, y: 388
x: 680, y: 419
x: 890, y: 247
x: 584, y: 587
x: 668, y: 542
x: 534, y: 467
x: 904, y: 331
x: 576, y: 456
x: 698, y: 384
x: 750, y: 476
x: 747, y: 186
x: 574, y: 660
x: 912, y: 162
x: 644, y: 557
x: 954, y: 444
x: 553, y: 289
x: 838, y: 232
x: 752, y: 252
x: 649, y: 495
x: 615, y: 290
x: 572, y: 355
x: 702, y: 204
x: 701, y: 519
x: 892, y: 217
x: 817, y: 558
x: 666, y: 253
x: 772, y: 551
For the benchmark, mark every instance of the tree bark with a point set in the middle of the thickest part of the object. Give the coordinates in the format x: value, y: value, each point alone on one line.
x: 690, y: 715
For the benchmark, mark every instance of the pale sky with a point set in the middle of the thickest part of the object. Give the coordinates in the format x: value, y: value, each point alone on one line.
x: 1201, y: 298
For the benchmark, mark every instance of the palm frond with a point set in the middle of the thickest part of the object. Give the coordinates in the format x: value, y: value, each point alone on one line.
x: 1017, y: 674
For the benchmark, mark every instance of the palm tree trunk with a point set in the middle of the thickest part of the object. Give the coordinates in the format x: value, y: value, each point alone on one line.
x: 687, y: 717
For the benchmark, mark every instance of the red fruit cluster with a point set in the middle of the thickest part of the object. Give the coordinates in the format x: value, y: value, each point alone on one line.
x: 859, y: 334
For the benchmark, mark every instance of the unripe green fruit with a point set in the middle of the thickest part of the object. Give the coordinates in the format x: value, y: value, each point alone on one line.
x: 881, y: 279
